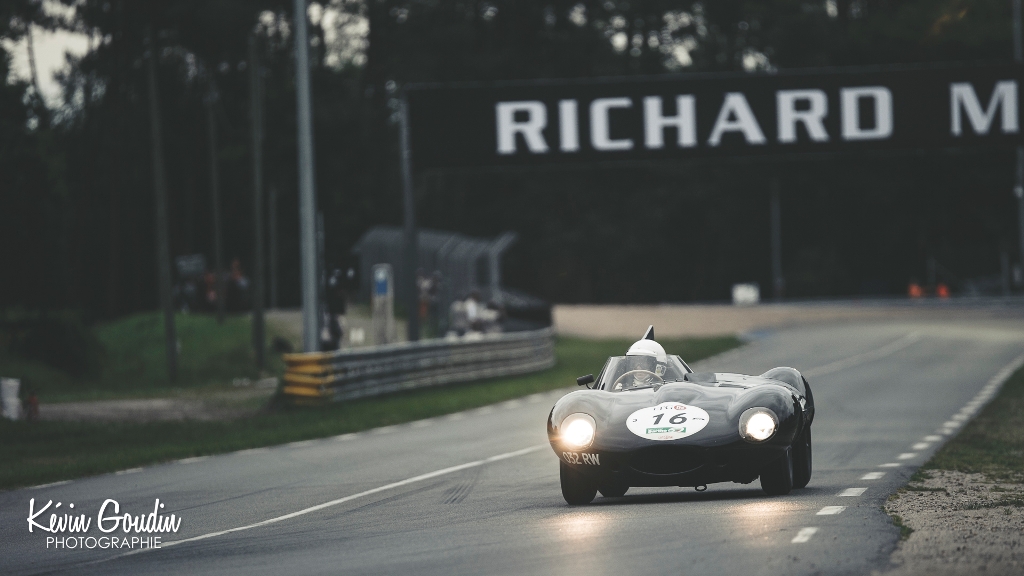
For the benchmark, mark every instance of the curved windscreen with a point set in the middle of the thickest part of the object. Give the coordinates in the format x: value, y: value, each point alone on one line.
x: 632, y: 372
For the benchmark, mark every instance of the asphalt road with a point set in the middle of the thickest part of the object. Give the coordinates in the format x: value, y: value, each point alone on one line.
x: 477, y: 492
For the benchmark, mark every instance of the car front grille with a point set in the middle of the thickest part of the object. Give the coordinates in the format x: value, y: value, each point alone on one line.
x: 667, y: 459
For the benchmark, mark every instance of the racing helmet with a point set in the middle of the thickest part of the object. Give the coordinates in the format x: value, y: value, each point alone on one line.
x: 646, y: 354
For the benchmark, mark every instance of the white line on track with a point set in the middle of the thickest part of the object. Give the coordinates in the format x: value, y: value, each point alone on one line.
x: 889, y: 465
x: 853, y: 492
x: 932, y: 438
x: 128, y: 471
x: 907, y: 455
x: 804, y: 535
x: 920, y: 446
x: 882, y: 352
x: 50, y: 485
x: 192, y: 460
x: 344, y: 437
x: 872, y: 476
x: 318, y: 507
x: 830, y: 510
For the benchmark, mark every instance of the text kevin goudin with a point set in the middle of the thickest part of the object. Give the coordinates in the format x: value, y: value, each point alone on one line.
x: 65, y: 527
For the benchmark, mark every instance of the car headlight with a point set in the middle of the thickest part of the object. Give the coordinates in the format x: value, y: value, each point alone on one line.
x: 758, y: 424
x: 577, y: 430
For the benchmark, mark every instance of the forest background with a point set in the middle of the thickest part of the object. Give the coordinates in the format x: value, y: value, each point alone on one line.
x: 76, y: 197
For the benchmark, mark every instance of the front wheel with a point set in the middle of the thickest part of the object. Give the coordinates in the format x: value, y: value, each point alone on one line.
x: 802, y: 460
x: 777, y: 476
x: 575, y: 488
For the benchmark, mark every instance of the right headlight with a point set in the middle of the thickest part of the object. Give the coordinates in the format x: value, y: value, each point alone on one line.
x: 758, y: 424
x: 577, y: 430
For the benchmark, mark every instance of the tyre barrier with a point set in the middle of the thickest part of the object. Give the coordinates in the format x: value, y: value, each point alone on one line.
x: 360, y: 372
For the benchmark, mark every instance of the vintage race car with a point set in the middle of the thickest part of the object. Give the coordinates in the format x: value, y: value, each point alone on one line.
x: 649, y: 420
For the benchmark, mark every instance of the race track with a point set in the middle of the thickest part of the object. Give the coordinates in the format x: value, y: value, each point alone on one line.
x: 477, y: 492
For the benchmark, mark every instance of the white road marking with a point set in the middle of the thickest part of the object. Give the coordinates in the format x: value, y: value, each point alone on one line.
x: 974, y: 405
x: 329, y: 504
x: 804, y: 535
x: 384, y: 430
x: 872, y: 476
x: 889, y: 465
x: 852, y: 492
x: 128, y: 471
x: 868, y: 356
x: 907, y: 455
x: 299, y: 444
x: 830, y: 510
x: 344, y: 437
x: 192, y: 460
x: 50, y: 485
x: 920, y: 446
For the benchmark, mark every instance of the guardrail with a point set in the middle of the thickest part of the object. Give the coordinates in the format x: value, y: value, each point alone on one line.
x: 360, y: 372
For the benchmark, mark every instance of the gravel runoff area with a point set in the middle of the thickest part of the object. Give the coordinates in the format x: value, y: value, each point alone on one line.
x: 962, y: 524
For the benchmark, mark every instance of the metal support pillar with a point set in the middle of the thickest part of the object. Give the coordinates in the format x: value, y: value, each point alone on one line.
x: 778, y: 281
x: 256, y: 119
x: 411, y: 240
x: 163, y: 250
x: 1018, y: 188
x: 307, y: 186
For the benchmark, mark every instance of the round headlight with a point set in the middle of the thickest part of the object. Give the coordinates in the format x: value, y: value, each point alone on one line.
x: 577, y: 430
x: 758, y: 424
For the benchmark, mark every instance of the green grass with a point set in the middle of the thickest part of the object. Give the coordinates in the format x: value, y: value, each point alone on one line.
x: 993, y: 442
x: 134, y: 364
x: 905, y: 531
x: 49, y: 451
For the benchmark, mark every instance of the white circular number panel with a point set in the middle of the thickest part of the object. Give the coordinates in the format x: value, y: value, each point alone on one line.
x: 667, y: 421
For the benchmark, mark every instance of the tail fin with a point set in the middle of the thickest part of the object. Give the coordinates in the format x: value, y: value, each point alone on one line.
x: 649, y: 335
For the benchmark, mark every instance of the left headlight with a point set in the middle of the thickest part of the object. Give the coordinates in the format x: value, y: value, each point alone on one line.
x: 758, y: 424
x: 577, y: 430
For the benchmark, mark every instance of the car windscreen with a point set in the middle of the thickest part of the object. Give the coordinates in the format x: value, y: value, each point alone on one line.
x: 630, y: 373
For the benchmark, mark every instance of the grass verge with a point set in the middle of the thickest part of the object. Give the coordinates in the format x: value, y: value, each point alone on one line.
x: 991, y: 444
x: 50, y: 451
x: 133, y: 362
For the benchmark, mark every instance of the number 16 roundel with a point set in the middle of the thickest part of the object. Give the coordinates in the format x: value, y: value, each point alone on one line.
x: 667, y: 421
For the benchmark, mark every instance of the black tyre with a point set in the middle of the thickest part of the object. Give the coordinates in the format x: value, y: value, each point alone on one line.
x: 802, y: 460
x: 575, y: 488
x: 613, y: 490
x: 777, y: 476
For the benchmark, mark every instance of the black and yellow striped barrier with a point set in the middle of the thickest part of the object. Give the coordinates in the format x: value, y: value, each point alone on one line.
x: 359, y: 372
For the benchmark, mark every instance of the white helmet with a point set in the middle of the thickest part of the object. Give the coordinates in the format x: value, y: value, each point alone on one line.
x: 647, y: 347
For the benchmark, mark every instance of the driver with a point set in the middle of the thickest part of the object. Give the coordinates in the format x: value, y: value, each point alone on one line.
x: 649, y: 359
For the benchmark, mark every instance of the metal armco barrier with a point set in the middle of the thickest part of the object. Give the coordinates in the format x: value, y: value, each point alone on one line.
x: 363, y: 372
